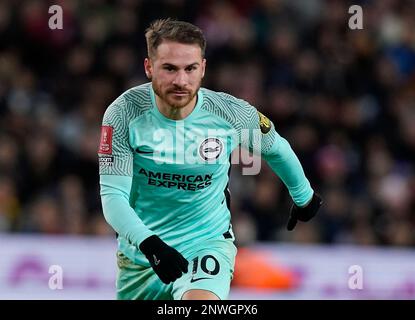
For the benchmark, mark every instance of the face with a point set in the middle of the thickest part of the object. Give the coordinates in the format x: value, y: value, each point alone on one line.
x: 176, y: 72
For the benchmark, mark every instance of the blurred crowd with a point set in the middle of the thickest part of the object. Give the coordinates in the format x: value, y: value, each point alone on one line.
x: 344, y: 99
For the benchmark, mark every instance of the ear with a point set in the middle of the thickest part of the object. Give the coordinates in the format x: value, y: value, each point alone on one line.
x: 203, y: 67
x: 148, y: 68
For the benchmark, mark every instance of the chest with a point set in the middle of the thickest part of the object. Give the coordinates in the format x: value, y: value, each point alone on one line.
x: 198, y: 146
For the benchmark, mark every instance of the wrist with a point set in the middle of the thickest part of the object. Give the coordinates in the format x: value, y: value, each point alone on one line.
x: 151, y: 244
x: 307, y: 203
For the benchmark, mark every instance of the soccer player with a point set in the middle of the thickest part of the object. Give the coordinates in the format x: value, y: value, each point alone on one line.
x: 164, y: 161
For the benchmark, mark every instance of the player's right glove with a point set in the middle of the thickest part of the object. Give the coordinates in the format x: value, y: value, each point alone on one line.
x: 304, y: 213
x: 166, y: 261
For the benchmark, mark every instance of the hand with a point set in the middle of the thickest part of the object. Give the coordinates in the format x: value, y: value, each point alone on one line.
x: 304, y: 213
x: 166, y: 261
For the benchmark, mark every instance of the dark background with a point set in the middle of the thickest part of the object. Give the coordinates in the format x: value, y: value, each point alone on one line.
x: 344, y: 99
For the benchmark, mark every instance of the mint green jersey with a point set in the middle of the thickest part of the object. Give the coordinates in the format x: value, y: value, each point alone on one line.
x: 170, y: 177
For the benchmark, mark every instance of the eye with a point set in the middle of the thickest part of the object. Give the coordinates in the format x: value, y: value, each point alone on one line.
x: 191, y: 68
x: 169, y: 68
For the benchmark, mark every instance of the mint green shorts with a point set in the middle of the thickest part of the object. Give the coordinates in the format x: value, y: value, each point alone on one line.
x: 211, y: 267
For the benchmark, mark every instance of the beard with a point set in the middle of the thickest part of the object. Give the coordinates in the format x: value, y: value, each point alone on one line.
x: 173, y: 100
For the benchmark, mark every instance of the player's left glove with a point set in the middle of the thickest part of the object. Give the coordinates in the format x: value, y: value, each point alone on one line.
x: 304, y: 213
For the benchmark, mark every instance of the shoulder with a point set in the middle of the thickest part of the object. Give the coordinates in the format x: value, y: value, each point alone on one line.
x: 138, y: 96
x: 227, y: 106
x: 132, y: 102
x: 223, y: 99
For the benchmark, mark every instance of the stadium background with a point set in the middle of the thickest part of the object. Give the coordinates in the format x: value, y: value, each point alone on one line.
x: 345, y: 99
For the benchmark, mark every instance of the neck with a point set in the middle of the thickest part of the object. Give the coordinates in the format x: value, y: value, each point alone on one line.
x: 175, y: 113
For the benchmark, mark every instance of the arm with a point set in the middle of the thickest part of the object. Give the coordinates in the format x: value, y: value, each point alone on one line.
x: 116, y: 167
x: 286, y: 165
x: 118, y: 213
x: 283, y: 161
x: 166, y: 261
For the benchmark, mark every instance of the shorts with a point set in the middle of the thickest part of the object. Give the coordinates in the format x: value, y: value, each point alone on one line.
x: 211, y: 266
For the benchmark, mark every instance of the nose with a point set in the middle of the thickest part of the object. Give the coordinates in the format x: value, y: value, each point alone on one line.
x: 180, y: 79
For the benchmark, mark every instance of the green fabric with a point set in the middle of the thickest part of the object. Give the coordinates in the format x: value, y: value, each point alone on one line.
x: 136, y: 282
x: 170, y: 177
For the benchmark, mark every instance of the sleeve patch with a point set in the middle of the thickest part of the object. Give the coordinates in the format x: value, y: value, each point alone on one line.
x: 105, y: 145
x: 264, y: 123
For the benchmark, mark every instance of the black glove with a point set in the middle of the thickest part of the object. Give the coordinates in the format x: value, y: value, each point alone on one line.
x: 166, y: 261
x: 304, y: 213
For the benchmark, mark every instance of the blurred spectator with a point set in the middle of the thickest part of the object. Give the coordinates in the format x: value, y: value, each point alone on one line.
x: 9, y: 204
